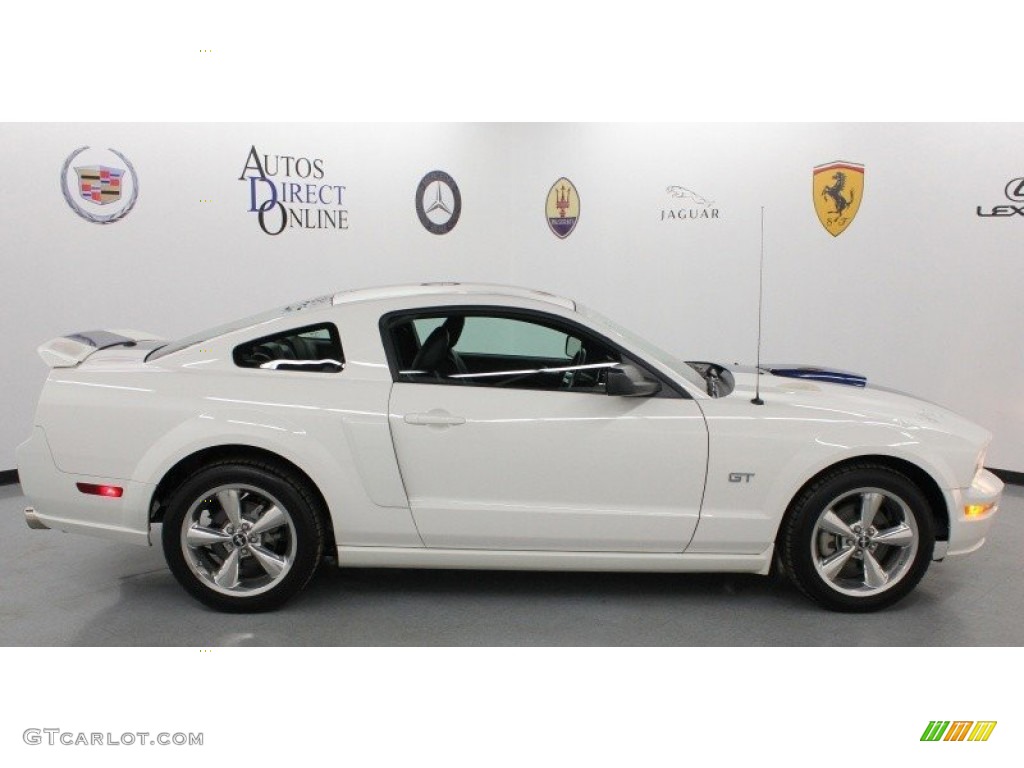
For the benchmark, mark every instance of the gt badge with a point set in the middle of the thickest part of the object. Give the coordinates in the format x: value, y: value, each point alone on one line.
x: 562, y: 208
x: 837, y: 189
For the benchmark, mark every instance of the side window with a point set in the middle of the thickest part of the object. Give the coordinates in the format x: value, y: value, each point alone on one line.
x: 314, y: 348
x: 514, y: 338
x: 425, y: 326
x: 497, y: 350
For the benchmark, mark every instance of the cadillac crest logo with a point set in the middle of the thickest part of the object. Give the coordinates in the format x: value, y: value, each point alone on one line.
x: 562, y: 208
x: 837, y: 188
x: 438, y: 202
x: 99, y: 185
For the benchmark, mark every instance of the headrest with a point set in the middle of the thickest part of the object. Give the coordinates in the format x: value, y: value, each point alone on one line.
x: 454, y: 326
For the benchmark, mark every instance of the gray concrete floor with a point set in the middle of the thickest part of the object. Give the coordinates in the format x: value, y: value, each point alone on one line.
x: 62, y: 589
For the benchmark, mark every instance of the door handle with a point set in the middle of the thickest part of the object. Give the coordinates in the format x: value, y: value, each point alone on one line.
x: 434, y: 419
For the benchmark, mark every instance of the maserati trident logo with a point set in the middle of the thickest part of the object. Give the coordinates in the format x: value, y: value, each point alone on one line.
x: 1014, y: 192
x: 438, y: 202
x: 99, y: 185
x: 562, y: 208
x: 837, y: 188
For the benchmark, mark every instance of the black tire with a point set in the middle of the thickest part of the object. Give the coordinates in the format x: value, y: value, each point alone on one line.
x: 891, y: 559
x: 271, y: 565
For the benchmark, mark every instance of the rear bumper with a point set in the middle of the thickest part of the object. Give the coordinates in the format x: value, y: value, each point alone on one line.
x: 967, y: 534
x: 57, y: 503
x: 33, y: 521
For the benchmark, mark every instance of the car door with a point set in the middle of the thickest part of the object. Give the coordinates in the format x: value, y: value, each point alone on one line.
x: 506, y: 440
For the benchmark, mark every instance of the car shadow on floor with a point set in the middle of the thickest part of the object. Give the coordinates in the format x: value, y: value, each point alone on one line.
x: 412, y: 607
x: 534, y: 585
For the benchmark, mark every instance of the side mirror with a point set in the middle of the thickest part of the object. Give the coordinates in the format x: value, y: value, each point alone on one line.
x: 572, y: 346
x: 627, y: 381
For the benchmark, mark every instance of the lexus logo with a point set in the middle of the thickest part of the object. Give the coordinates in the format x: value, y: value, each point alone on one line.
x: 438, y: 202
x: 1014, y: 192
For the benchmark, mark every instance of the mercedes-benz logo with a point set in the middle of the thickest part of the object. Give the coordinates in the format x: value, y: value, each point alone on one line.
x: 438, y: 202
x: 1015, y: 190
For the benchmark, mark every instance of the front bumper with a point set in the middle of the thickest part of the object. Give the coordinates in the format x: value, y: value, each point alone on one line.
x: 967, y: 534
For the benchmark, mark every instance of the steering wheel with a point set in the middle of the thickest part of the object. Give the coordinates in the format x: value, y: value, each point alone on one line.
x: 569, y: 379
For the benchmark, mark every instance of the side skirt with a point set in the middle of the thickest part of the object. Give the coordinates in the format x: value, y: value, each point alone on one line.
x: 413, y: 557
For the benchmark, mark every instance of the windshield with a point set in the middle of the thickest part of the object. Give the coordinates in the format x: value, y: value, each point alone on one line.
x: 645, y: 347
x: 235, y: 325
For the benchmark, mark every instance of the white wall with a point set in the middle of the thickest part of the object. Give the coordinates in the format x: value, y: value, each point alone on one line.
x: 919, y: 293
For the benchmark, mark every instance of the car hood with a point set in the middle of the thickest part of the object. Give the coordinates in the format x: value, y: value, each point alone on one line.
x: 859, y: 402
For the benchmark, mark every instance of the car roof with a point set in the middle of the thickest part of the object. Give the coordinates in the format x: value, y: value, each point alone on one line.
x: 412, y: 290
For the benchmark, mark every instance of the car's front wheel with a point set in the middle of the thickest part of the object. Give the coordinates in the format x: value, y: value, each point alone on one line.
x: 242, y: 536
x: 859, y: 539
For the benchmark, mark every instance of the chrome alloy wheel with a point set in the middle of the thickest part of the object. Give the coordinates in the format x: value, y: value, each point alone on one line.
x: 864, y: 542
x: 239, y: 540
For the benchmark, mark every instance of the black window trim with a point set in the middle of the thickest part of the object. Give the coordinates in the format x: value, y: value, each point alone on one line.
x: 388, y: 320
x: 332, y: 329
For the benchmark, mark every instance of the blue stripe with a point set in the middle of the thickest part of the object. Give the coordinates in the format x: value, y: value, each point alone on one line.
x: 819, y: 374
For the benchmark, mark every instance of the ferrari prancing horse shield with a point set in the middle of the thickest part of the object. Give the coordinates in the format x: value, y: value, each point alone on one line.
x: 837, y: 188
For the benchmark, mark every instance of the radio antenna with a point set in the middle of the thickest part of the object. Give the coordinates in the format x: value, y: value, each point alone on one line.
x: 760, y: 304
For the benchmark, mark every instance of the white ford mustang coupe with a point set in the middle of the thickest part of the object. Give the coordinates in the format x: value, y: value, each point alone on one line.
x: 477, y: 426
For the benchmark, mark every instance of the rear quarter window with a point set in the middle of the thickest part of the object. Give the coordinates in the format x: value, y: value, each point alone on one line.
x: 312, y: 348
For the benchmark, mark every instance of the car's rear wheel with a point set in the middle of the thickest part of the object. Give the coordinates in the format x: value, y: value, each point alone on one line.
x: 859, y: 539
x: 242, y: 536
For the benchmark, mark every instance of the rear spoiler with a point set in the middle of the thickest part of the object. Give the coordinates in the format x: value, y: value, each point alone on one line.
x: 68, y: 351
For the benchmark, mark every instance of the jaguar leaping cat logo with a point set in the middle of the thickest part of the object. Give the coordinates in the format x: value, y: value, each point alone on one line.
x: 688, y: 194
